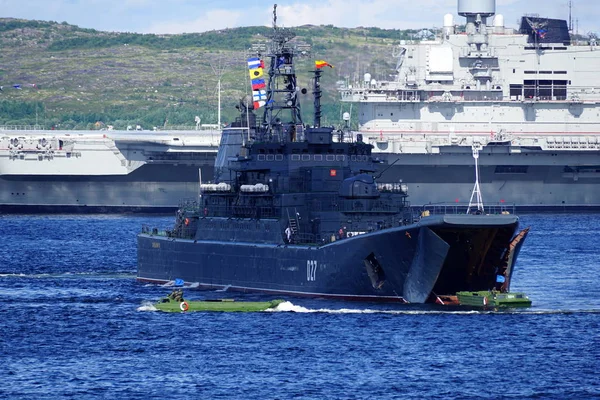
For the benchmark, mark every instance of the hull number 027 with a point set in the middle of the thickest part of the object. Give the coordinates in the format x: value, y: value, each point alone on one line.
x: 311, y: 270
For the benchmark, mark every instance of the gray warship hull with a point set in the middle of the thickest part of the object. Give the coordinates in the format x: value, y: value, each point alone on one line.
x: 110, y: 171
x: 532, y: 179
x: 149, y: 189
x: 404, y: 264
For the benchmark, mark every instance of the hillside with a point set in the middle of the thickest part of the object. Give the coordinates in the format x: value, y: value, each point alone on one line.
x: 75, y: 78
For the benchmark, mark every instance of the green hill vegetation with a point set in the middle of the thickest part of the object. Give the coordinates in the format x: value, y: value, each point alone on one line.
x: 75, y: 78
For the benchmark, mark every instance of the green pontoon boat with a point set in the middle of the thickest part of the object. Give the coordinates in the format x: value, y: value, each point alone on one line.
x: 227, y: 305
x: 492, y: 299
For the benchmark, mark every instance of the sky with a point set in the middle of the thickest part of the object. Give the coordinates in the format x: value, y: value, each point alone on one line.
x: 187, y: 16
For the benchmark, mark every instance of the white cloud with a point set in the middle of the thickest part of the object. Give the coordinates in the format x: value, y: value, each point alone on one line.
x: 177, y: 16
x: 211, y: 20
x: 375, y: 13
x: 410, y: 14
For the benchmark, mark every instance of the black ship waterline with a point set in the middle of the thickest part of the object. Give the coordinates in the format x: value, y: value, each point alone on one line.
x: 296, y: 210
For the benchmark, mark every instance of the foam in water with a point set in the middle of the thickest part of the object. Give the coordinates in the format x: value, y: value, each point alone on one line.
x: 169, y: 284
x: 68, y: 274
x: 290, y: 307
x: 147, y: 306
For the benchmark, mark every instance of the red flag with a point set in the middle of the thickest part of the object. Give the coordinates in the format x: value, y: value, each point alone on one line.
x: 321, y: 64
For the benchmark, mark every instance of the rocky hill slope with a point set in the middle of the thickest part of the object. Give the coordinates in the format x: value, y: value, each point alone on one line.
x: 60, y: 75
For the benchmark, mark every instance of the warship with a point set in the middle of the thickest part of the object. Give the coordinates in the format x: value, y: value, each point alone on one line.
x: 528, y: 99
x: 297, y: 209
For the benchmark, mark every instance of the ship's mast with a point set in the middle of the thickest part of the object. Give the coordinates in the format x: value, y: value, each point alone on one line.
x: 570, y: 17
x: 282, y: 89
x: 317, y: 97
x: 219, y: 71
x: 478, y: 203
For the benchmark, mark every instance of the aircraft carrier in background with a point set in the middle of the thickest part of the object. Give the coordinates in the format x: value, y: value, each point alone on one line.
x: 107, y: 171
x: 527, y: 101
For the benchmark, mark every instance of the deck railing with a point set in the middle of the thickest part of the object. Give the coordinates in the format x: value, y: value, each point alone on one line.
x: 21, y: 128
x: 461, y: 208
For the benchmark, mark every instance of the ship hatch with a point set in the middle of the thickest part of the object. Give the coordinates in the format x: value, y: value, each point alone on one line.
x: 474, y: 258
x: 375, y: 271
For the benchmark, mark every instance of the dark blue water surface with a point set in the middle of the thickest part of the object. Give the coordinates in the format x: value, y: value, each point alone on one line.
x: 75, y: 323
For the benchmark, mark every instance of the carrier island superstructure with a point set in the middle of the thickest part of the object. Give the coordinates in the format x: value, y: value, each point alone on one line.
x: 527, y: 100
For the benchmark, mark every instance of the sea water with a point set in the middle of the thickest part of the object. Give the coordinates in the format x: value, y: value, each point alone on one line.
x: 74, y: 323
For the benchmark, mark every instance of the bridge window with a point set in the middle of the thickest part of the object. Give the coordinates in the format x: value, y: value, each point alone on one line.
x: 516, y: 91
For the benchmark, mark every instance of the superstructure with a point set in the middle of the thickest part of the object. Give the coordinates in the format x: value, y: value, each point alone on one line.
x: 527, y: 99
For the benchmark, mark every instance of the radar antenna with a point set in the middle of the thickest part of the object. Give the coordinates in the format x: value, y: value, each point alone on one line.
x: 538, y: 28
x: 275, y: 87
x: 282, y: 88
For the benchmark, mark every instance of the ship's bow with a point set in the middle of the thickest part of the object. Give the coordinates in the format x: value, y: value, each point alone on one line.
x: 482, y: 251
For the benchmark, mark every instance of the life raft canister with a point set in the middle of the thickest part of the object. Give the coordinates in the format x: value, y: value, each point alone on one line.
x: 184, y: 306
